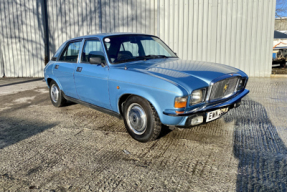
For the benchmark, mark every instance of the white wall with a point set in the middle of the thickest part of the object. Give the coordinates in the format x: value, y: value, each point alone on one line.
x: 21, y: 38
x: 234, y: 32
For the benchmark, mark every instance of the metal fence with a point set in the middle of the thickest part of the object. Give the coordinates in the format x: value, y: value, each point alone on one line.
x: 234, y: 32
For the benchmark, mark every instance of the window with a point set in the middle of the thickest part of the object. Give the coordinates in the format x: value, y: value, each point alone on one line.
x: 125, y: 48
x: 92, y: 47
x: 152, y: 47
x: 59, y: 50
x: 71, y: 52
x: 133, y: 48
x: 108, y: 45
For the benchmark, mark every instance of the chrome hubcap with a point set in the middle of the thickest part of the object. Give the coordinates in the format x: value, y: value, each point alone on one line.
x: 54, y: 93
x: 136, y: 119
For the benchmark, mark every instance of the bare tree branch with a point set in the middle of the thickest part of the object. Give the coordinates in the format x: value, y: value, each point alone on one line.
x: 281, y: 8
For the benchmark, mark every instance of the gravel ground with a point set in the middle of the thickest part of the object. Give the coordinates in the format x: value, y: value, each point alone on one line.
x: 74, y: 148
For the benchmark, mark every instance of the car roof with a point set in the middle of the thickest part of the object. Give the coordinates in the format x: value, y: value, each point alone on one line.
x: 103, y: 35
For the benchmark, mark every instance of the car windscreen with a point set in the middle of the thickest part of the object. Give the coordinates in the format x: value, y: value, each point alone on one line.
x: 125, y: 48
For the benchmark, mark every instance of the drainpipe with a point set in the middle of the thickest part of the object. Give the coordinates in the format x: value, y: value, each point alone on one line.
x: 46, y: 32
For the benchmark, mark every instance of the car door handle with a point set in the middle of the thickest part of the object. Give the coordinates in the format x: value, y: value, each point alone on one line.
x: 57, y: 66
x: 79, y: 69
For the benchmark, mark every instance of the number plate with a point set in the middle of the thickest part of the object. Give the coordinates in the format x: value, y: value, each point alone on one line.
x: 215, y: 114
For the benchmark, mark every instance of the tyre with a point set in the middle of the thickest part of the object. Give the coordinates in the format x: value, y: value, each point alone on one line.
x: 141, y: 119
x: 56, y: 96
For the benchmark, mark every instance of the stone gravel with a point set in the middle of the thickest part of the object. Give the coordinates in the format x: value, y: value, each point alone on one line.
x: 75, y: 148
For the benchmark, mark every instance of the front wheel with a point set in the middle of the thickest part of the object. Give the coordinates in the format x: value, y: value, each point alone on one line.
x: 141, y: 119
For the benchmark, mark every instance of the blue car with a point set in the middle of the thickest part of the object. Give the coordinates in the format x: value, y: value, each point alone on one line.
x: 138, y: 78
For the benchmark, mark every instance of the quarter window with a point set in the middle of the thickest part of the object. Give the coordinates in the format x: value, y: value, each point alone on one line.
x: 71, y: 52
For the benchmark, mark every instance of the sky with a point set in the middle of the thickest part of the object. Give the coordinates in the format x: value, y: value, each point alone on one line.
x: 282, y: 4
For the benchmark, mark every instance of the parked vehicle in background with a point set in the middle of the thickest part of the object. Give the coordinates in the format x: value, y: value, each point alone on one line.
x: 138, y: 78
x: 279, y: 58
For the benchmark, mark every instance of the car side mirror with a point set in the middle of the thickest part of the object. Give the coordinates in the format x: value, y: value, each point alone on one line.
x: 96, y: 60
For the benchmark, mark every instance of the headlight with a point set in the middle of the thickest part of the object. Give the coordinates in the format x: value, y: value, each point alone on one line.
x: 197, y: 96
x: 241, y: 84
x: 180, y: 102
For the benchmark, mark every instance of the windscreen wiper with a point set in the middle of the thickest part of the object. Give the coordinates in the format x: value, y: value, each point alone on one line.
x: 152, y: 56
x: 146, y: 57
x: 139, y: 58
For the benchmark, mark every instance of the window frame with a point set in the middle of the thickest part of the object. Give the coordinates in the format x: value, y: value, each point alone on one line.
x: 84, y: 42
x: 66, y: 46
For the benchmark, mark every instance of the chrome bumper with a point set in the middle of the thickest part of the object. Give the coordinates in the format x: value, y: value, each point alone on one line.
x: 209, y: 107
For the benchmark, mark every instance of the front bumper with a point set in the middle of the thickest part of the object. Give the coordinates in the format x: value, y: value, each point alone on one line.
x: 203, y: 110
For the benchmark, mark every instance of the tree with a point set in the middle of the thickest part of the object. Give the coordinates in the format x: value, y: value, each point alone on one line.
x: 281, y: 8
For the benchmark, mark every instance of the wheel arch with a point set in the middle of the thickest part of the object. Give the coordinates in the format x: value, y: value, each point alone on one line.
x: 124, y: 97
x: 50, y: 79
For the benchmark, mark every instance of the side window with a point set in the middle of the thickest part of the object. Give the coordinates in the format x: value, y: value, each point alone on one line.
x: 71, y: 52
x: 92, y: 47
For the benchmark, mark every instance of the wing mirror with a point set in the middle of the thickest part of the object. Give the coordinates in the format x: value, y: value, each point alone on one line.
x: 96, y: 60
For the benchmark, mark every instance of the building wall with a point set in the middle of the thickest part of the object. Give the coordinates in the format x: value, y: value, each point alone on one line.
x: 21, y: 38
x: 281, y: 24
x: 234, y: 32
x: 71, y: 18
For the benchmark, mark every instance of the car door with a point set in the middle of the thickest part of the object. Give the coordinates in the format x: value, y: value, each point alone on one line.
x: 91, y: 80
x: 65, y: 66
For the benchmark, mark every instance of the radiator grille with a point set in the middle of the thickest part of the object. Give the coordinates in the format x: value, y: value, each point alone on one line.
x: 224, y: 88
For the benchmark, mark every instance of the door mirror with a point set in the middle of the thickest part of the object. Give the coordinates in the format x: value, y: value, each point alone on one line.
x: 96, y: 57
x: 95, y: 60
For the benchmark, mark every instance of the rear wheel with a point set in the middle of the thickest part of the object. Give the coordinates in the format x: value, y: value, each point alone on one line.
x: 56, y: 96
x: 141, y: 119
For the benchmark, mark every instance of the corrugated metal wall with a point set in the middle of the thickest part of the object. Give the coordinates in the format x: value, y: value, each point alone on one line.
x: 21, y: 38
x: 69, y: 18
x: 234, y: 32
